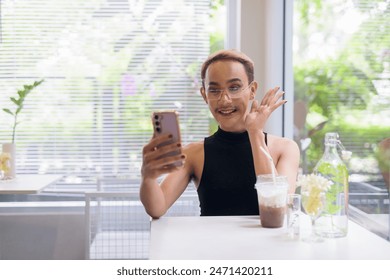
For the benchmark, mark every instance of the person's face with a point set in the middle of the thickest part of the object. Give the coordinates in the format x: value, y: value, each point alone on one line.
x: 229, y: 112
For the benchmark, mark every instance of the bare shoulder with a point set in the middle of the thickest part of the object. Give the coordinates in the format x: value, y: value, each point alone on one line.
x: 277, y: 140
x: 193, y: 148
x: 194, y: 153
x: 281, y: 145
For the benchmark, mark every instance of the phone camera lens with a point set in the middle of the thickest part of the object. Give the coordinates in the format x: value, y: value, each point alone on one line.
x: 158, y: 129
x: 157, y: 123
x: 156, y: 117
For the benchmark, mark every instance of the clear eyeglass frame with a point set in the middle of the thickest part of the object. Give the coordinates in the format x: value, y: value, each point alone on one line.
x: 232, y: 92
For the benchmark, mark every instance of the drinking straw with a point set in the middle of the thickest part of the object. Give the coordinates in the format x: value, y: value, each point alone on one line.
x: 272, y: 164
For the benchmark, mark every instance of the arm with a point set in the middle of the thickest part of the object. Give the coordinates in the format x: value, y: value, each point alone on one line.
x: 254, y: 124
x: 288, y: 160
x: 157, y: 198
x: 285, y: 152
x: 261, y: 161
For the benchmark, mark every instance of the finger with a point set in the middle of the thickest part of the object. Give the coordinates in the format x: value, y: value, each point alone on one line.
x: 166, y: 149
x: 156, y: 141
x: 266, y: 97
x: 255, y: 105
x: 278, y: 104
x: 167, y: 162
x: 158, y: 152
x: 263, y: 108
x: 276, y: 97
x: 270, y: 93
x: 160, y: 139
x: 154, y: 162
x: 156, y: 168
x: 157, y: 172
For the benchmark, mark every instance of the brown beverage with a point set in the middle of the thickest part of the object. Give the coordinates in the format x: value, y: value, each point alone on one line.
x: 271, y: 217
x: 272, y: 198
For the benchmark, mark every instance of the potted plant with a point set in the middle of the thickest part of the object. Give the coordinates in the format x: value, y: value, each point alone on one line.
x: 9, y: 148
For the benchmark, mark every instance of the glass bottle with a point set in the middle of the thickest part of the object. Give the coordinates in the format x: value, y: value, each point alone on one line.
x: 333, y: 222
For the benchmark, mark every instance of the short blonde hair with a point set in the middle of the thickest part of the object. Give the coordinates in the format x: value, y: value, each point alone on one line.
x: 233, y: 55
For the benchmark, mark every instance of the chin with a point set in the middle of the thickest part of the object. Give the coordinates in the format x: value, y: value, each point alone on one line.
x: 231, y: 124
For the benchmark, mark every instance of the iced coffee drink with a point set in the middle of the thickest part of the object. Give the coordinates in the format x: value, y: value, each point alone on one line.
x: 272, y: 197
x: 271, y: 216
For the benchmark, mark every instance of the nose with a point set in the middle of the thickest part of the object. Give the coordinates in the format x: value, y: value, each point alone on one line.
x: 224, y: 95
x: 224, y: 101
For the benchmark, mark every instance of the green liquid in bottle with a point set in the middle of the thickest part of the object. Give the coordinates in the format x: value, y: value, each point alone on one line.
x: 334, y: 219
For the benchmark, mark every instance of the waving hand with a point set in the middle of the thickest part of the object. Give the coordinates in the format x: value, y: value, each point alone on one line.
x: 259, y: 113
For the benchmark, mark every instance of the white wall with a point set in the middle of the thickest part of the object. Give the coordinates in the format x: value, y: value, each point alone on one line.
x: 258, y: 28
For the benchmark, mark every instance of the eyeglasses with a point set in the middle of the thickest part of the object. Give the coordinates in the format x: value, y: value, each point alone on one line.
x: 232, y: 91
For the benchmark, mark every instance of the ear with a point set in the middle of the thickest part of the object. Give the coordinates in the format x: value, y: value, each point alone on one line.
x: 253, y: 90
x: 203, y: 93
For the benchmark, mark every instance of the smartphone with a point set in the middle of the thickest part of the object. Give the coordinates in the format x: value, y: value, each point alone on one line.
x: 167, y: 122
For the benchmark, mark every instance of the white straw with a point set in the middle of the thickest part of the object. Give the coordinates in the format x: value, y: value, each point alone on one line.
x: 272, y: 164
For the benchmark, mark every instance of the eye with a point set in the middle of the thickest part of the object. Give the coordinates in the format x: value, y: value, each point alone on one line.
x: 214, y: 91
x: 234, y: 88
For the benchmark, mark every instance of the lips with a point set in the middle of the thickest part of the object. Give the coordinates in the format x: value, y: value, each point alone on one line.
x: 226, y: 111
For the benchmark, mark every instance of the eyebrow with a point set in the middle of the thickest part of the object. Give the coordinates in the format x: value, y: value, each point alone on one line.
x: 229, y: 81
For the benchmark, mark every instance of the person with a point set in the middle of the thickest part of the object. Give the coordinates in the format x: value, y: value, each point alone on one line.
x: 225, y: 165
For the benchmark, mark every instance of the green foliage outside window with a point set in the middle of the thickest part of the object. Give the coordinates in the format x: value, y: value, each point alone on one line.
x: 342, y: 87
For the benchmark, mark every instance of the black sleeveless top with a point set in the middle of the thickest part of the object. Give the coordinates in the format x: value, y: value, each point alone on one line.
x: 227, y: 186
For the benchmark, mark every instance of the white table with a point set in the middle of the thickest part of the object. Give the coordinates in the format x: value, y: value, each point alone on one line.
x: 27, y: 184
x: 242, y: 237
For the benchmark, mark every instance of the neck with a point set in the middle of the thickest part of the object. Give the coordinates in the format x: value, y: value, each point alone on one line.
x: 232, y: 137
x: 235, y: 129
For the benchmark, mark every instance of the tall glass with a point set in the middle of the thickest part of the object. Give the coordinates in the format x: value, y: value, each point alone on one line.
x: 272, y: 198
x: 293, y: 213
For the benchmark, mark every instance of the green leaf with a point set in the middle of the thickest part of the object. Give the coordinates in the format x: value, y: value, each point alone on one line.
x: 38, y: 83
x: 19, y: 102
x: 14, y: 100
x: 20, y: 93
x: 8, y: 111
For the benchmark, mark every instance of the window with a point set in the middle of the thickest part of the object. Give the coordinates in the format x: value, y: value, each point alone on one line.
x: 107, y: 64
x: 342, y: 84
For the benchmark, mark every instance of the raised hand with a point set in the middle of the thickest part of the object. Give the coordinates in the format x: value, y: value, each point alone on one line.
x: 159, y: 159
x: 259, y: 113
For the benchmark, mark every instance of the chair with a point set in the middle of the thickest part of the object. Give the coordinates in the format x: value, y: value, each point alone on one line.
x: 117, y: 226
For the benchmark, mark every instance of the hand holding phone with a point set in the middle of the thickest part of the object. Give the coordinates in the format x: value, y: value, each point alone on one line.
x: 167, y: 123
